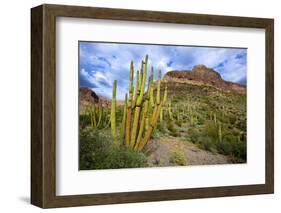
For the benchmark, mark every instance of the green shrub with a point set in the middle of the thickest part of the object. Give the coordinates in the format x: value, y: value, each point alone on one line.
x: 84, y: 120
x: 178, y: 157
x: 123, y: 157
x: 178, y: 122
x: 98, y: 152
x: 240, y: 150
x: 172, y: 129
x: 162, y: 128
x: 156, y: 134
x: 206, y: 143
x: 193, y: 134
x: 224, y: 148
x: 94, y: 148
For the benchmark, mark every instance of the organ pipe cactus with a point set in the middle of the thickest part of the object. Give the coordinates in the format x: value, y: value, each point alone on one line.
x: 215, y: 119
x: 155, y: 115
x: 139, y: 105
x: 98, y: 116
x: 123, y: 128
x: 129, y: 107
x: 220, y: 132
x: 113, y: 113
x: 140, y: 112
x: 164, y: 104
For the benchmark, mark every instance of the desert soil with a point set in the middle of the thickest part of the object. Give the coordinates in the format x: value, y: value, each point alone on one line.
x: 158, y: 153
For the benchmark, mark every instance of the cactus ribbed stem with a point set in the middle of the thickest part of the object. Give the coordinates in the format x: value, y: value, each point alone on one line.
x: 220, y: 133
x: 136, y: 94
x: 150, y: 128
x: 151, y: 99
x: 155, y: 115
x: 144, y: 115
x: 113, y: 113
x: 129, y: 110
x: 145, y: 112
x: 138, y: 105
x: 158, y: 88
x: 164, y: 105
x: 123, y: 128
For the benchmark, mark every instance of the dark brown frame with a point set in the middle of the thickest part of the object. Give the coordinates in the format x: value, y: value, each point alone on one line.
x: 43, y: 105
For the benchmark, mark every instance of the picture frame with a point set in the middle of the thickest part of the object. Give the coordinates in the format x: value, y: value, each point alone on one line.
x: 43, y: 105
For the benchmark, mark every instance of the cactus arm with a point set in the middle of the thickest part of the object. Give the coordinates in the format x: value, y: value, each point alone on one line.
x: 158, y: 88
x: 113, y: 113
x: 165, y: 95
x: 99, y: 116
x: 129, y: 107
x: 138, y: 106
x: 220, y: 133
x: 215, y: 119
x: 155, y: 115
x: 144, y: 114
x: 124, y: 118
x: 150, y: 128
x: 136, y: 94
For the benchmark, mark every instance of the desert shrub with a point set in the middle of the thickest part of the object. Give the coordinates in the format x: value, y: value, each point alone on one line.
x: 193, y: 134
x: 211, y: 130
x: 178, y: 157
x: 240, y: 150
x: 155, y: 134
x: 98, y: 152
x: 162, y: 128
x: 171, y: 127
x: 175, y: 134
x: 178, y: 122
x: 224, y: 148
x: 94, y: 148
x: 123, y: 157
x: 206, y: 143
x: 84, y: 120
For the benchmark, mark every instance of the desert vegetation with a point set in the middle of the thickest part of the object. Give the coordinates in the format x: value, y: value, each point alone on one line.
x: 165, y: 122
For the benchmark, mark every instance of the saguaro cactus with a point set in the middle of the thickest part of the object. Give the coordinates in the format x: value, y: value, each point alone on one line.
x: 113, y: 113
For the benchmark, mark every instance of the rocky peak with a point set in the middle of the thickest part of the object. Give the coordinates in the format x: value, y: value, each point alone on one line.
x: 200, y: 74
x: 88, y: 95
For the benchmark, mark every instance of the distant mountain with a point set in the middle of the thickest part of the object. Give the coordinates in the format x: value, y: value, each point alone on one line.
x: 86, y: 94
x: 201, y: 75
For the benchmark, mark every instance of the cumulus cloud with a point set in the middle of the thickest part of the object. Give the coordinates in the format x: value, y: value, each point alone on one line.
x: 102, y: 63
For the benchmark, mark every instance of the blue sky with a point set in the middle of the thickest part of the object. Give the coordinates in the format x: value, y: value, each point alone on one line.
x: 102, y: 63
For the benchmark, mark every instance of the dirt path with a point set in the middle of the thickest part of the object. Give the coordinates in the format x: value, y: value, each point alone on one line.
x: 170, y: 151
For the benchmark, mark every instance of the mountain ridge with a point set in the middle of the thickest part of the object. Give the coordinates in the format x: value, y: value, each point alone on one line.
x: 201, y: 75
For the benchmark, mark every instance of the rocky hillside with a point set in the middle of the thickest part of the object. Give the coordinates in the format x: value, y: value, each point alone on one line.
x: 88, y: 95
x: 201, y: 75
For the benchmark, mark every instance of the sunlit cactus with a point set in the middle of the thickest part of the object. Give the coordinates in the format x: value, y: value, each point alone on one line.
x: 98, y: 116
x: 123, y: 127
x: 140, y: 111
x: 113, y: 113
x: 220, y: 132
x: 129, y: 107
x: 155, y: 115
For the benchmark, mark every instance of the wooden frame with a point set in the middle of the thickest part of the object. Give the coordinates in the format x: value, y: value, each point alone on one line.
x: 43, y: 106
